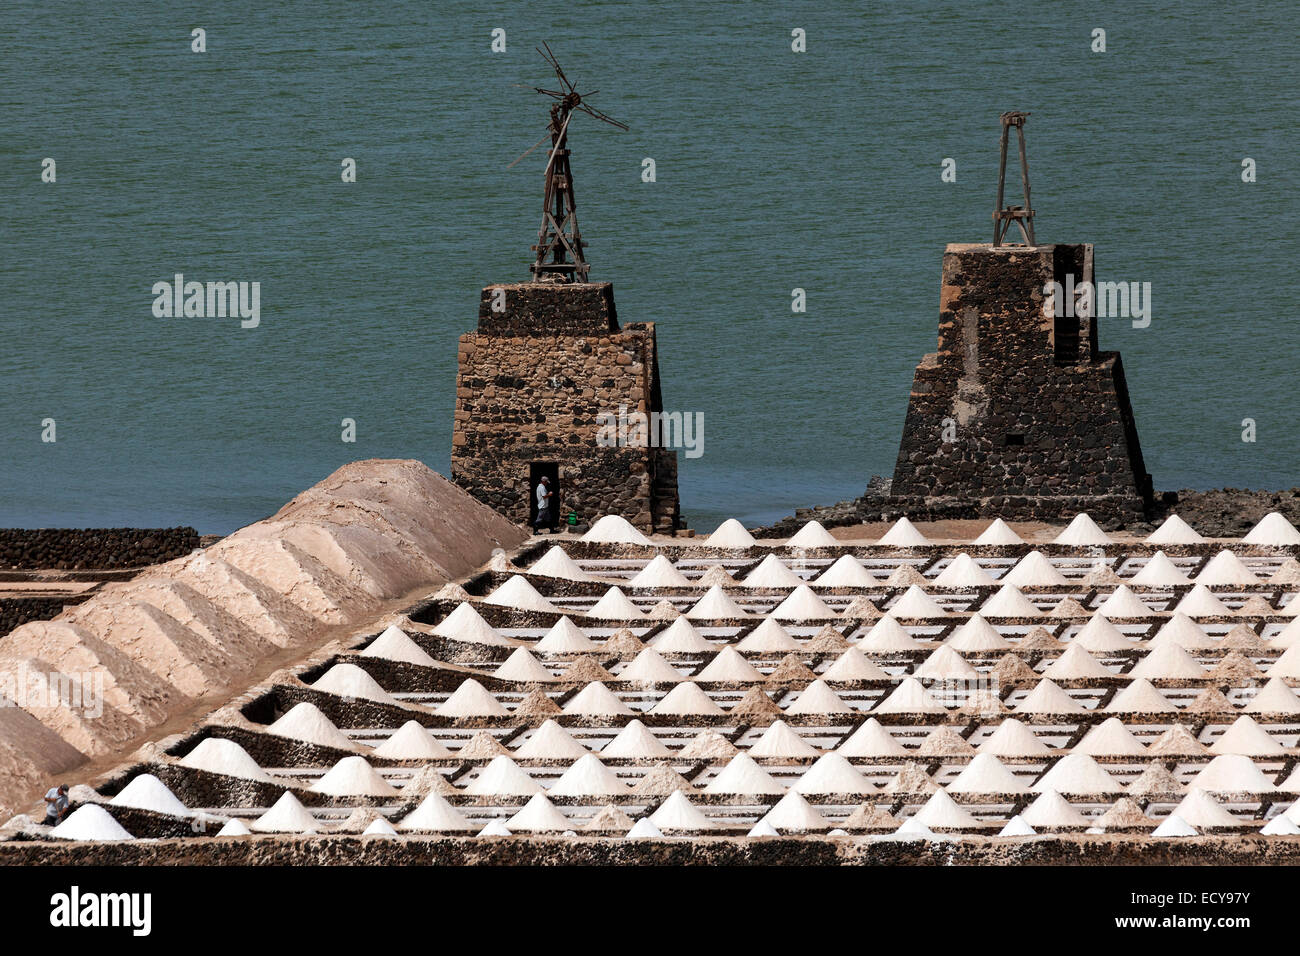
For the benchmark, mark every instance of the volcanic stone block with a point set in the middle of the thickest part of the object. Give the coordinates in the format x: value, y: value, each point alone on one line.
x: 1018, y: 411
x: 547, y: 360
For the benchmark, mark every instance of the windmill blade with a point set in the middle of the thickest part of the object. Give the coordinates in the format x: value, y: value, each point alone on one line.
x: 538, y: 89
x: 530, y: 149
x: 601, y: 116
x: 550, y: 58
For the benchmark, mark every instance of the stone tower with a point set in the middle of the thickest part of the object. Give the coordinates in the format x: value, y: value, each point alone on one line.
x: 1018, y: 413
x: 548, y: 359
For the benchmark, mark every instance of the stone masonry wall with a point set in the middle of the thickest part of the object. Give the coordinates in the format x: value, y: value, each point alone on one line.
x: 532, y: 382
x: 98, y: 548
x: 1031, y: 407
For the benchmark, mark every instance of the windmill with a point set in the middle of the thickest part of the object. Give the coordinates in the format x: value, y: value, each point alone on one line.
x: 559, y: 243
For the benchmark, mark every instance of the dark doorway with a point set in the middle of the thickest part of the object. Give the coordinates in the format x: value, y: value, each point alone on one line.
x: 536, y: 471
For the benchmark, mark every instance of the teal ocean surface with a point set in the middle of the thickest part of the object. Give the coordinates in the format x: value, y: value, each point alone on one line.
x: 775, y: 170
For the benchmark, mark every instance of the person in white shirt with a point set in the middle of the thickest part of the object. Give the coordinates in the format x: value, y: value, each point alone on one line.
x: 545, y: 508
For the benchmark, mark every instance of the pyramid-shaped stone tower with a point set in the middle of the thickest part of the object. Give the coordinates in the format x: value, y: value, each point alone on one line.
x: 1018, y: 413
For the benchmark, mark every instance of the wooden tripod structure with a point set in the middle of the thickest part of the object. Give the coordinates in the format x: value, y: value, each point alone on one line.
x: 1022, y: 216
x: 559, y: 242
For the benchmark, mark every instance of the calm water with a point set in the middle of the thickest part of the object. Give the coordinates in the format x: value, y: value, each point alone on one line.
x: 775, y: 170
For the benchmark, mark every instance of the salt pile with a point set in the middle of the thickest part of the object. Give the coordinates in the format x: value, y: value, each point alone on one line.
x: 147, y: 792
x: 963, y: 572
x: 1123, y: 603
x: 743, y: 776
x: 659, y: 573
x: 1174, y: 826
x: 643, y: 829
x: 609, y: 819
x: 1183, y: 631
x: 871, y: 740
x: 519, y: 594
x: 853, y: 666
x: 681, y: 637
x: 588, y: 777
x: 986, y: 774
x: 729, y: 667
x: 730, y: 534
x: 768, y: 637
x: 717, y: 574
x: 716, y: 606
x: 565, y: 637
x: 379, y: 828
x: 503, y: 777
x: 941, y: 813
x: 678, y: 813
x: 550, y: 742
x: 887, y: 636
x: 780, y: 741
x: 794, y: 814
x: 217, y: 755
x: 471, y: 699
x: 482, y: 746
x: 353, y: 777
x: 90, y: 823
x: 635, y: 742
x: 833, y: 774
x: 1082, y: 532
x: 818, y: 698
x: 1140, y: 697
x: 945, y: 664
x: 1077, y: 773
x: 614, y: 529
x: 1099, y: 636
x: 1047, y: 697
x: 916, y: 604
x: 350, y: 681
x: 1174, y: 531
x: 764, y: 829
x: 904, y: 576
x: 1009, y: 602
x: 1275, y: 698
x: 1168, y: 661
x: 1280, y: 826
x: 977, y: 636
x: 394, y: 645
x: 615, y: 606
x: 1273, y: 529
x: 847, y: 572
x: 306, y: 722
x: 1201, y: 810
x: 687, y: 700
x: 903, y: 534
x: 663, y: 610
x: 287, y: 815
x: 1225, y: 568
x: 1016, y: 827
x: 523, y: 668
x: 910, y: 697
x: 999, y: 533
x: 1232, y: 774
x: 412, y: 741
x: 812, y: 535
x: 234, y: 828
x: 1076, y: 664
x: 538, y: 815
x: 495, y: 828
x: 466, y: 624
x: 556, y: 563
x: 1159, y: 572
x: 945, y: 741
x: 1110, y: 738
x: 802, y: 605
x: 435, y: 815
x: 597, y: 700
x: 1248, y: 738
x: 649, y: 668
x: 1051, y: 811
x: 1014, y: 739
x: 1034, y: 571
